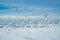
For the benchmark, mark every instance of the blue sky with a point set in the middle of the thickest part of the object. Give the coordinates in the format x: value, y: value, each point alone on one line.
x: 29, y: 7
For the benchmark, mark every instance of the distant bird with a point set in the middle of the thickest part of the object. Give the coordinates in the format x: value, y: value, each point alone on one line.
x: 46, y: 16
